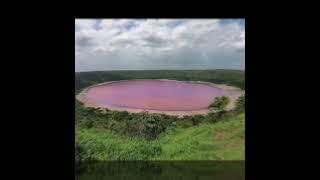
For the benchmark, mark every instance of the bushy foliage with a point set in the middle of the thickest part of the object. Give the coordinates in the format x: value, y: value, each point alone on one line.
x: 142, y: 124
x: 146, y: 125
x: 240, y: 104
x: 103, y: 144
x: 220, y: 103
x: 82, y: 154
x: 189, y: 121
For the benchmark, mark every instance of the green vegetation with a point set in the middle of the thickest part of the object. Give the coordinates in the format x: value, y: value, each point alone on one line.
x: 223, y: 140
x: 102, y: 144
x: 143, y: 124
x: 219, y: 103
x: 113, y: 135
x: 241, y: 104
x: 230, y: 77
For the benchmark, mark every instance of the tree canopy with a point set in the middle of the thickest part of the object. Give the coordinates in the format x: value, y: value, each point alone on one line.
x: 219, y: 103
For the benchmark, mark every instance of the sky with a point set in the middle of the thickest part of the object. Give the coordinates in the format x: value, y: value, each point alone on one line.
x: 149, y: 44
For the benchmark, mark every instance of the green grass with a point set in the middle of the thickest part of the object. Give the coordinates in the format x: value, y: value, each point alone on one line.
x: 102, y: 144
x: 223, y: 140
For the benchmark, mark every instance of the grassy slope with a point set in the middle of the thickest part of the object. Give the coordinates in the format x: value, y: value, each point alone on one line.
x: 102, y: 144
x: 223, y: 140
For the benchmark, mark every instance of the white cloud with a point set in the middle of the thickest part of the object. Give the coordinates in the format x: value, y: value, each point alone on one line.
x: 158, y: 44
x: 84, y: 23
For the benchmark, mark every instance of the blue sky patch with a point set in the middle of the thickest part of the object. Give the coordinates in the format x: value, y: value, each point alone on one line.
x: 241, y: 22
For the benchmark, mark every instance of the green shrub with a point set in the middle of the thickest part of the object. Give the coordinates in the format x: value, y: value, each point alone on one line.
x: 151, y: 126
x: 103, y: 144
x: 219, y: 103
x: 197, y: 119
x: 119, y: 115
x: 86, y: 122
x: 240, y: 104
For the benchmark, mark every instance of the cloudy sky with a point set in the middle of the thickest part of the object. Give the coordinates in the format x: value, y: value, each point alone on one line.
x: 137, y: 44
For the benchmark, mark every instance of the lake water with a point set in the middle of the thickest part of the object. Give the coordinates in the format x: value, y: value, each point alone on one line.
x: 155, y: 95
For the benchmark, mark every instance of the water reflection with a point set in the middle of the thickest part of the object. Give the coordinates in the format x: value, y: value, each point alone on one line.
x: 146, y: 170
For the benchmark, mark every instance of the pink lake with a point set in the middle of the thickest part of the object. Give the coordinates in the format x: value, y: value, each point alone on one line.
x: 161, y: 95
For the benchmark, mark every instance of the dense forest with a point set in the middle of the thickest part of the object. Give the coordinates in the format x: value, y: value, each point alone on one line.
x: 113, y: 135
x: 229, y: 77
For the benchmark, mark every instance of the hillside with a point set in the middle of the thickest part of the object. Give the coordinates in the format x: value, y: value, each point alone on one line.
x: 223, y: 140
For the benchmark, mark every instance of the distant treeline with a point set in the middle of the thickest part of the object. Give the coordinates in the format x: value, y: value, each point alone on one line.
x: 229, y: 77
